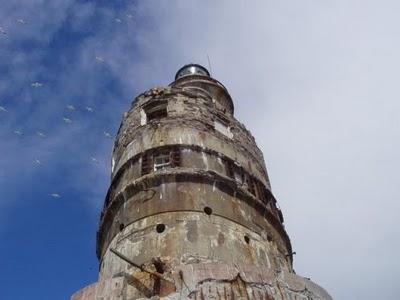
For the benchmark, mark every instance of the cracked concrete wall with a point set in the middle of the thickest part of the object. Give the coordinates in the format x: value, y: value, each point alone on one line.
x: 209, y: 281
x: 190, y: 237
x: 190, y: 121
x: 190, y: 207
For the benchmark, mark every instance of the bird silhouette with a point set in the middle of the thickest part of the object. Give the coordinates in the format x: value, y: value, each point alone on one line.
x: 108, y: 135
x: 93, y: 159
x: 36, y: 84
x: 41, y: 134
x: 67, y: 120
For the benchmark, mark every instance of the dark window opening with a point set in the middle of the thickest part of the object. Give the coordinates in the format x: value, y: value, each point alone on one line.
x: 147, y: 163
x: 242, y: 177
x: 261, y: 192
x: 160, y: 228
x: 121, y: 226
x: 156, y: 111
x: 247, y: 239
x: 250, y: 185
x: 238, y: 175
x: 175, y: 157
x: 229, y: 169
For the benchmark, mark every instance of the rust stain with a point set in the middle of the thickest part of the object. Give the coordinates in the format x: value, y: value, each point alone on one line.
x: 190, y: 191
x: 221, y: 239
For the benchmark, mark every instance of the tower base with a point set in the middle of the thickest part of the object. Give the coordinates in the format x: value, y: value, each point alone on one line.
x: 206, y: 281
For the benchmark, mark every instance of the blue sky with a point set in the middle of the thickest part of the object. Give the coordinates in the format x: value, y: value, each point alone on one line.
x: 48, y: 243
x: 316, y: 83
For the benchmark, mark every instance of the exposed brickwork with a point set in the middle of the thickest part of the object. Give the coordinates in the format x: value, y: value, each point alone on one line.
x: 190, y: 213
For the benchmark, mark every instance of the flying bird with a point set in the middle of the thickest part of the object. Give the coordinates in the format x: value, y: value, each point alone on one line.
x: 38, y: 162
x: 21, y: 21
x: 2, y: 31
x: 129, y: 16
x: 36, y: 84
x: 108, y: 135
x: 93, y: 159
x: 55, y: 195
x: 41, y: 134
x: 70, y: 107
x: 99, y: 58
x: 2, y: 108
x: 118, y: 20
x: 67, y: 120
x: 18, y: 132
x: 89, y: 109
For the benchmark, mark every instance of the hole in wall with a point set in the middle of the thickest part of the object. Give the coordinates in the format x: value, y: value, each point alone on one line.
x: 121, y: 226
x: 269, y: 238
x: 160, y: 228
x: 207, y: 210
x: 247, y: 239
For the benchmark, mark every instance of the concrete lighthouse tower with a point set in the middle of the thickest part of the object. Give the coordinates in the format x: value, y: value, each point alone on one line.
x: 189, y: 213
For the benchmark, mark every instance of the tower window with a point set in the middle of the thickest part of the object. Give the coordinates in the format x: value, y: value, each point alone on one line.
x: 222, y: 127
x: 250, y: 185
x: 162, y: 161
x: 159, y: 159
x: 156, y: 111
x: 175, y: 157
x: 147, y: 163
x: 238, y: 176
x: 229, y: 169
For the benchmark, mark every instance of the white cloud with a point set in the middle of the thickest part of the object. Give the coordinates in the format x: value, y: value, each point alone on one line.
x: 316, y: 83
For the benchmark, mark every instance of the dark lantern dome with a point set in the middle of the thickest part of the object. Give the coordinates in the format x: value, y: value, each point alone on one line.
x: 192, y: 69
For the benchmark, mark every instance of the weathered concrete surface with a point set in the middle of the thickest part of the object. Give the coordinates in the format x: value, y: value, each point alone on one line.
x: 190, y: 213
x: 208, y: 281
x: 191, y: 237
x: 190, y: 121
x: 183, y: 192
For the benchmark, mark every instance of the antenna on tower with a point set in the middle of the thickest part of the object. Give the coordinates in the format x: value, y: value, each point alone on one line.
x: 209, y: 65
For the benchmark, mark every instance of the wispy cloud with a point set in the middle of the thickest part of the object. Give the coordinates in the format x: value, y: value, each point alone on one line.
x: 315, y: 82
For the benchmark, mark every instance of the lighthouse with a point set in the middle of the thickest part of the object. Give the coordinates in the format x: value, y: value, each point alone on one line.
x: 189, y: 213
